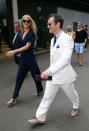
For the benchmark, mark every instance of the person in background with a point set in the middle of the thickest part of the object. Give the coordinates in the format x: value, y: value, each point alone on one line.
x: 80, y: 42
x: 17, y: 41
x: 28, y: 60
x: 0, y: 41
x: 70, y: 31
x: 85, y: 28
x: 63, y: 75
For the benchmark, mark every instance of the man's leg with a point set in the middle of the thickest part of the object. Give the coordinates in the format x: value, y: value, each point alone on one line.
x: 72, y: 94
x: 49, y: 95
x: 80, y: 58
x: 81, y: 53
x: 77, y: 51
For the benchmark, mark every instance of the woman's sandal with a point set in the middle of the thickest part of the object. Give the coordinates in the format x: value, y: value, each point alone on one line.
x: 11, y: 101
x: 38, y: 94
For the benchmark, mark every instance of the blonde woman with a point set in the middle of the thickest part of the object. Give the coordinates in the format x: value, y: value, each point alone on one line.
x: 28, y: 61
x: 70, y: 32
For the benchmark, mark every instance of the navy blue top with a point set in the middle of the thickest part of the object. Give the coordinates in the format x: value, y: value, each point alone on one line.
x: 80, y: 36
x: 30, y: 37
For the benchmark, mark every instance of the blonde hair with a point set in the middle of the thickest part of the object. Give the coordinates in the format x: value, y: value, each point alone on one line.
x: 33, y: 25
x: 68, y: 29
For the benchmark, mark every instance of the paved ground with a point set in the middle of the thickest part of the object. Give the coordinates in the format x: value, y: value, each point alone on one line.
x: 58, y: 119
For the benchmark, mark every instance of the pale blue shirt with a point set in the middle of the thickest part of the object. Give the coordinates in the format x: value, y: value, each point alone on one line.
x: 15, y: 37
x: 48, y: 70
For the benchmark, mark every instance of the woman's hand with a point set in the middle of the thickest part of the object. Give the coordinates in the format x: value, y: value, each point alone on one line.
x: 10, y: 53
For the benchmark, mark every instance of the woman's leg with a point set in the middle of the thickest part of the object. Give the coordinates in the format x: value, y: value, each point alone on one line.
x: 36, y: 71
x: 22, y: 71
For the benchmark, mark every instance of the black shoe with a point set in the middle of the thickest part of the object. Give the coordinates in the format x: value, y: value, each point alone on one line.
x: 80, y: 64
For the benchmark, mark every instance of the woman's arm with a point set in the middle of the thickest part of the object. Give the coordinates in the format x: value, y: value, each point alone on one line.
x: 11, y: 53
x: 74, y: 35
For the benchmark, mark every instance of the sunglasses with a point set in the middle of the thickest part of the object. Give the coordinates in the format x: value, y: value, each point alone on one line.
x: 26, y: 21
x: 48, y: 24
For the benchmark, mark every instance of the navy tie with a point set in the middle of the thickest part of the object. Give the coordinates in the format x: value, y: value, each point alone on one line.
x: 54, y: 40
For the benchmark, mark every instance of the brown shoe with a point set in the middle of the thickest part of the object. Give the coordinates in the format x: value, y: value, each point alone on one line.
x: 74, y: 112
x: 36, y: 121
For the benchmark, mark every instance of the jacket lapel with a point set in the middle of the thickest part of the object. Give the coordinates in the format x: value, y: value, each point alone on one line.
x: 58, y: 42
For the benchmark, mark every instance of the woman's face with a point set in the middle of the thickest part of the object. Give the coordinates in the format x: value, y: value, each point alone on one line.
x: 70, y: 28
x: 26, y: 22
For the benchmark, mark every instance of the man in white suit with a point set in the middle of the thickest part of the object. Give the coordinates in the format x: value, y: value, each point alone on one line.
x: 60, y: 68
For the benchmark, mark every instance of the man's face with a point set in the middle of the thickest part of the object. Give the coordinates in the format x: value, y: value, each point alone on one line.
x: 85, y: 28
x: 52, y: 26
x: 16, y: 27
x: 79, y: 26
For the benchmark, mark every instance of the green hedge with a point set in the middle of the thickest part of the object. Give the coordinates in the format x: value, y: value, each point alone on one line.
x: 43, y: 35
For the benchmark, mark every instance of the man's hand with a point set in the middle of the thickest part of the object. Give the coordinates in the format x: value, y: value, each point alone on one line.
x: 44, y: 75
x: 84, y: 44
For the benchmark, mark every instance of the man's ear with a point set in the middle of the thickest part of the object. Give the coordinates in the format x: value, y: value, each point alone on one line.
x: 58, y: 24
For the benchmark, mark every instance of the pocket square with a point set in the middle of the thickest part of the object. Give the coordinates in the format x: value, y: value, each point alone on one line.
x: 57, y: 46
x: 38, y: 78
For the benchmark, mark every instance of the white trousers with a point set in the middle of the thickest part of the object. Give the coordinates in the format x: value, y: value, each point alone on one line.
x: 49, y: 95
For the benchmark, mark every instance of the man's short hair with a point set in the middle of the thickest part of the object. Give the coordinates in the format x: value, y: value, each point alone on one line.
x: 57, y: 18
x: 80, y: 23
x: 17, y: 22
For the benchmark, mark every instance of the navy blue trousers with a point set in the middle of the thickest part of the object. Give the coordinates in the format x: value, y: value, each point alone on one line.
x: 27, y: 64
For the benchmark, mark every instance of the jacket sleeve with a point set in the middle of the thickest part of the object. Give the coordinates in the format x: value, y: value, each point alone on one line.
x: 65, y: 58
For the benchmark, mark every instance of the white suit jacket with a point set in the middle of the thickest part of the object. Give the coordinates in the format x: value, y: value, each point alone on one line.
x: 60, y: 60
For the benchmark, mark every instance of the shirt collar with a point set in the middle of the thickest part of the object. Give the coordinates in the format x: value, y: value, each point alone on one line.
x: 58, y: 34
x: 79, y: 29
